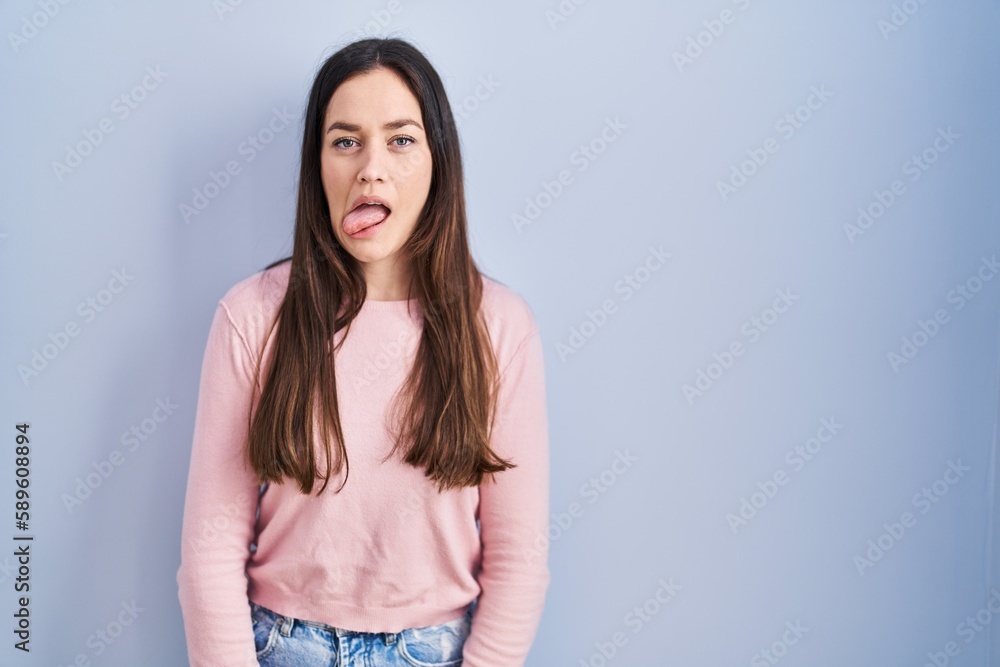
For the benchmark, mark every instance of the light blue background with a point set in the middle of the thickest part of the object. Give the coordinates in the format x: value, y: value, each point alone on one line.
x: 554, y: 86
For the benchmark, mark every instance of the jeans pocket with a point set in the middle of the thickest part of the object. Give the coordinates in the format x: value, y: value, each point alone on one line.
x: 435, y: 645
x: 266, y: 625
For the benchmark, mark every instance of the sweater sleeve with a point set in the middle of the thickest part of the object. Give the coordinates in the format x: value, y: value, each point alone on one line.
x: 513, y: 514
x: 220, y: 507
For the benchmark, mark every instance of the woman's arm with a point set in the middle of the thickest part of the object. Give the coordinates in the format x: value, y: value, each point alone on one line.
x: 513, y: 514
x: 220, y: 507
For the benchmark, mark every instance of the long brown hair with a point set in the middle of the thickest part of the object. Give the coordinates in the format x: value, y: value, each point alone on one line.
x: 448, y: 400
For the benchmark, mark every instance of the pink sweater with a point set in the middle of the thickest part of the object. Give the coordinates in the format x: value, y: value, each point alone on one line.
x: 388, y: 552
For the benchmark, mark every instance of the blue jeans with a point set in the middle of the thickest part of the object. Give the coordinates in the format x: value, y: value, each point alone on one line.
x: 282, y: 641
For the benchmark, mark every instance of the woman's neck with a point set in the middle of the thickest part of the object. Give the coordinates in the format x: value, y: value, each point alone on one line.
x: 385, y: 282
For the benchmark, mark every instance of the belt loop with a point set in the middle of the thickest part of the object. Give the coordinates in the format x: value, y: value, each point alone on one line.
x: 287, y: 623
x: 390, y: 638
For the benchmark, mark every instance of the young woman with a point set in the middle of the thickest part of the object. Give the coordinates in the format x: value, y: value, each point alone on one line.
x: 369, y: 470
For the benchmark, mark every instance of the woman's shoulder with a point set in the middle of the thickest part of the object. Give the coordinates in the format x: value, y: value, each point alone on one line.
x: 255, y: 299
x: 508, y: 314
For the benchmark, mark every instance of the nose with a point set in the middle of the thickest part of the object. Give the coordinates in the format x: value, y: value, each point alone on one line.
x: 373, y: 165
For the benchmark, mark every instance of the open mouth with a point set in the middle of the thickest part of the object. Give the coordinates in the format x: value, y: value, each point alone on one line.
x: 365, y: 218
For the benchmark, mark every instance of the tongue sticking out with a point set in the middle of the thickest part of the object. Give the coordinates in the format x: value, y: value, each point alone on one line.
x: 363, y: 216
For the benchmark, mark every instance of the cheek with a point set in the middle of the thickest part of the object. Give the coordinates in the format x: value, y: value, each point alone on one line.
x: 412, y: 166
x: 415, y: 175
x: 335, y: 180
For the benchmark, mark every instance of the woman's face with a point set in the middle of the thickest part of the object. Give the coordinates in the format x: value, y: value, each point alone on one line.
x: 374, y: 145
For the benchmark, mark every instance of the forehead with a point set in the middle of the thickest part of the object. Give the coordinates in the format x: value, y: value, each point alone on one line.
x: 371, y: 98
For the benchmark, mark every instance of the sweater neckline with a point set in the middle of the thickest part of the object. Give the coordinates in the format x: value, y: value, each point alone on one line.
x: 398, y: 306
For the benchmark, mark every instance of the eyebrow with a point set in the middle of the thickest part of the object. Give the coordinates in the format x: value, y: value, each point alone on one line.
x: 391, y: 125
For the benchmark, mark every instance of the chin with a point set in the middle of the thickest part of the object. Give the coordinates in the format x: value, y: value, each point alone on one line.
x: 371, y: 254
